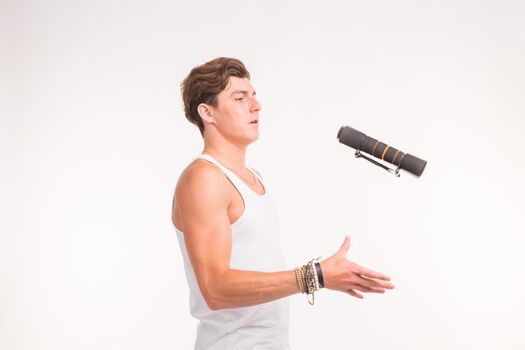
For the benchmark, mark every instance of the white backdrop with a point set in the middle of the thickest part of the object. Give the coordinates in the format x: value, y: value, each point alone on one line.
x: 93, y: 139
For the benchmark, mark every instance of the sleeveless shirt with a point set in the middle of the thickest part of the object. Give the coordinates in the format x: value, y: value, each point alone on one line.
x: 256, y: 247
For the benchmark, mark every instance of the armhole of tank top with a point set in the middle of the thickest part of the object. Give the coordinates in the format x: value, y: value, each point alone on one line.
x: 227, y: 175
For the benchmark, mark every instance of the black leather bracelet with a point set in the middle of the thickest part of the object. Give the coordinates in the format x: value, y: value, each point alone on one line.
x: 319, y: 274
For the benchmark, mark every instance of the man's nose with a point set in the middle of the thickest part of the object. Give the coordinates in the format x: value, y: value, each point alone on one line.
x: 255, y: 105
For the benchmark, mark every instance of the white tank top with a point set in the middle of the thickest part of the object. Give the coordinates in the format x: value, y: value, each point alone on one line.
x: 255, y: 246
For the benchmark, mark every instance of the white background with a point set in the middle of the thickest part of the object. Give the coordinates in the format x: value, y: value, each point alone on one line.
x: 93, y: 139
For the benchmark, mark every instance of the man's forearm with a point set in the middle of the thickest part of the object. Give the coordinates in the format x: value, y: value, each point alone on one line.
x: 238, y: 288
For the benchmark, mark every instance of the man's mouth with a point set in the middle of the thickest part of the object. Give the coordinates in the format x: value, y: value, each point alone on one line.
x: 254, y: 121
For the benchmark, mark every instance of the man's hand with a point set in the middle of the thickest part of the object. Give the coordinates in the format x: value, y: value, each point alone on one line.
x: 343, y: 275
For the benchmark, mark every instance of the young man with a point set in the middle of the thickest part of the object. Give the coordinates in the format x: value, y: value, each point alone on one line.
x: 227, y: 225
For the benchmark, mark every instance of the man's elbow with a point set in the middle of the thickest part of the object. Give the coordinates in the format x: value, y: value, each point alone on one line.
x: 213, y: 305
x: 213, y: 299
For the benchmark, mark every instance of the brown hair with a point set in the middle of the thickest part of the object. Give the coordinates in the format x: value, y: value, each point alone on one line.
x: 205, y: 82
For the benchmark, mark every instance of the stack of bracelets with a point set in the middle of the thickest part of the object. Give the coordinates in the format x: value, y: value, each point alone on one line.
x: 309, y: 279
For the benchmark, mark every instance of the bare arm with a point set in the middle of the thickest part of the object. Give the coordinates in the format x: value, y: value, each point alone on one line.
x: 202, y: 202
x: 203, y: 199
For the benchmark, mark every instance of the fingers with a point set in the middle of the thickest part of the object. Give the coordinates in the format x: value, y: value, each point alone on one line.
x: 364, y: 289
x: 367, y: 289
x: 364, y: 281
x: 371, y: 274
x: 355, y: 294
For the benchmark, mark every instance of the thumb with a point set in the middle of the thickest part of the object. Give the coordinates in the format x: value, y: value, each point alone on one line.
x: 344, y: 247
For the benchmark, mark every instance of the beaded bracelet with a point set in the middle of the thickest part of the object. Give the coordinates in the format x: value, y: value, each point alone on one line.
x: 309, y: 279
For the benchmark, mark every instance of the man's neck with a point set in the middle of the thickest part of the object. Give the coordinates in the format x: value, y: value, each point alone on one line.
x: 229, y: 155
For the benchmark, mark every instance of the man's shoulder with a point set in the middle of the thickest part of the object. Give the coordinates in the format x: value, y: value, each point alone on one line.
x: 201, y: 167
x: 202, y: 178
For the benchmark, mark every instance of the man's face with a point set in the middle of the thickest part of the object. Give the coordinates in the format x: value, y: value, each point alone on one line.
x: 236, y: 116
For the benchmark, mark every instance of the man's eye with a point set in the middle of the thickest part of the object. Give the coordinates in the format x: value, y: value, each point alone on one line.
x: 239, y: 99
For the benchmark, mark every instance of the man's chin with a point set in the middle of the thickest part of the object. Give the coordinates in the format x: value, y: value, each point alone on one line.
x: 252, y: 137
x: 250, y: 141
x: 246, y: 139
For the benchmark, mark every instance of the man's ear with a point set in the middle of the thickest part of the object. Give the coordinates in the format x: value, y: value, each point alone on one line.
x: 206, y: 113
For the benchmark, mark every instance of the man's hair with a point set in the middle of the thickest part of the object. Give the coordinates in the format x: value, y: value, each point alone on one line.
x: 205, y: 82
